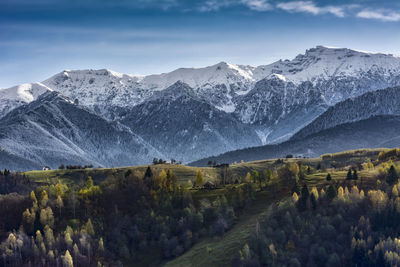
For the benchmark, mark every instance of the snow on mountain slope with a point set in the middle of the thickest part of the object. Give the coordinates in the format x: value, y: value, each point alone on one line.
x: 374, y: 132
x: 380, y: 102
x: 279, y: 98
x: 16, y: 96
x: 185, y: 127
x: 223, y: 84
x: 337, y: 73
x: 296, y: 92
x: 52, y: 130
x: 322, y: 63
x: 105, y: 90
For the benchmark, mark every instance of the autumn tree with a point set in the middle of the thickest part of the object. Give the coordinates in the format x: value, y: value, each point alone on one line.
x: 199, y: 178
x: 172, y: 181
x: 59, y: 204
x: 247, y: 179
x: 67, y: 260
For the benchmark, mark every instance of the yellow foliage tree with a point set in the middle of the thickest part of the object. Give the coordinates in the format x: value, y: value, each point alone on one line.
x: 295, y: 197
x: 161, y: 180
x: 199, y: 178
x: 67, y: 260
x: 247, y: 179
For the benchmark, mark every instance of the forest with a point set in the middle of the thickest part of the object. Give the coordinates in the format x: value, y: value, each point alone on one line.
x: 337, y: 210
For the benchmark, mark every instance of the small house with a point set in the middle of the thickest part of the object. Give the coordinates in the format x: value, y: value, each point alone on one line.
x: 46, y: 168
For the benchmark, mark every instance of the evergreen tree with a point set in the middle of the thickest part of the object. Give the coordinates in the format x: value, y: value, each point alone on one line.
x: 331, y: 192
x: 355, y: 175
x: 313, y: 201
x: 392, y: 176
x: 349, y: 175
x: 328, y: 177
x: 318, y: 166
x: 148, y: 173
x: 305, y: 194
x: 296, y: 188
x: 148, y: 178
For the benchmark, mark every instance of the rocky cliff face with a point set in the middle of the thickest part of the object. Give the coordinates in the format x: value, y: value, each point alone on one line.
x: 225, y: 106
x: 52, y: 130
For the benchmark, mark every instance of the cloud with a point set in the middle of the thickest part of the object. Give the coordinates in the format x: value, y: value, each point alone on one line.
x: 214, y: 5
x: 311, y: 7
x: 383, y: 15
x: 258, y: 5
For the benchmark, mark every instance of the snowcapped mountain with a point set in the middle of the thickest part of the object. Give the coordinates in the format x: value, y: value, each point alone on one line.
x: 268, y: 103
x: 16, y: 96
x: 52, y: 130
x: 180, y: 124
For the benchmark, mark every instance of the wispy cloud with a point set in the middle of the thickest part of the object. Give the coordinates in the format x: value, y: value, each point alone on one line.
x: 311, y: 7
x: 214, y: 5
x: 258, y: 5
x: 383, y: 15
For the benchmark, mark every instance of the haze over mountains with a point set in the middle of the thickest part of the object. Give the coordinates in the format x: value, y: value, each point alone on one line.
x: 189, y: 114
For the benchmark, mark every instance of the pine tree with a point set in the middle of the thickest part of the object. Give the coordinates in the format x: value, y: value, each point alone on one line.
x: 331, y: 192
x: 148, y: 177
x: 349, y: 175
x: 355, y: 175
x: 305, y: 194
x: 392, y: 176
x: 318, y: 166
x: 313, y: 201
x: 328, y: 177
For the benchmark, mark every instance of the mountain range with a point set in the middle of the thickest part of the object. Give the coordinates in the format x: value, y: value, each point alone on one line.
x: 189, y: 113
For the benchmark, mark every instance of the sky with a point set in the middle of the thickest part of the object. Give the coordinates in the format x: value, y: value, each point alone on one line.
x: 39, y: 38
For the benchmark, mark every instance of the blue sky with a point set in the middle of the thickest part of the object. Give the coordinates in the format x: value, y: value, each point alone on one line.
x: 39, y: 38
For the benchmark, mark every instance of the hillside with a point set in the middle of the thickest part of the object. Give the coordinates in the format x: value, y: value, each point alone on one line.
x: 219, y: 250
x: 53, y: 130
x: 184, y: 127
x: 375, y: 132
x: 380, y: 102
